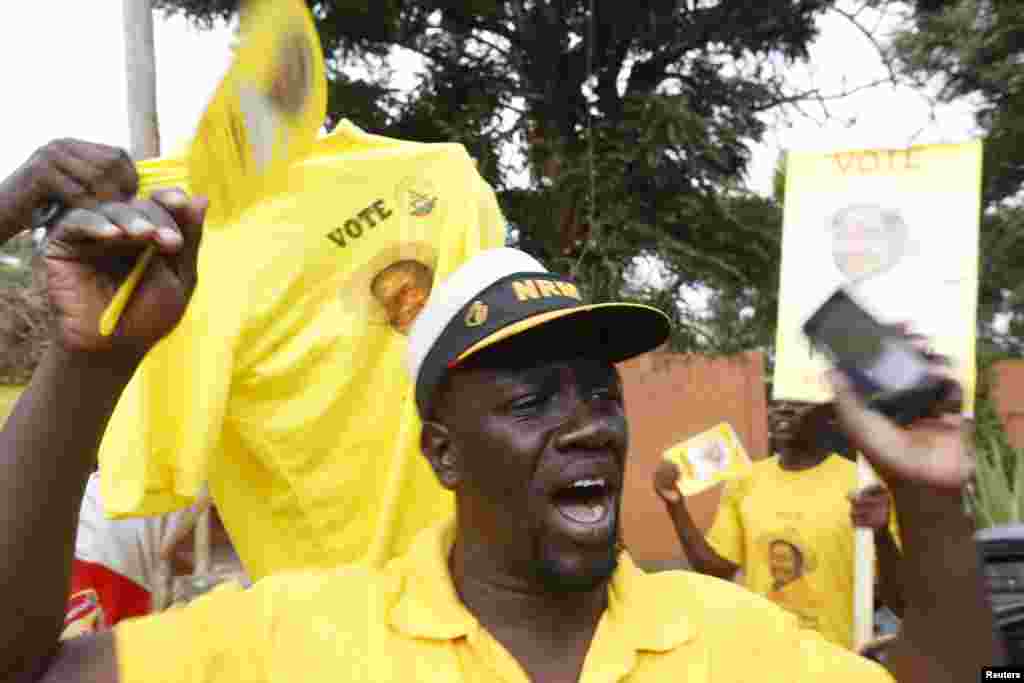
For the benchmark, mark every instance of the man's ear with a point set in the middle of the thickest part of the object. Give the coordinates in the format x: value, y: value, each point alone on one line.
x: 439, y: 449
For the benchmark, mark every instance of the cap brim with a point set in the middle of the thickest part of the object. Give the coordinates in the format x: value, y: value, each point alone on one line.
x: 615, y: 331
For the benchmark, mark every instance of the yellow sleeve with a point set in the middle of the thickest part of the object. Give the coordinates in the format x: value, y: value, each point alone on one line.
x: 804, y: 655
x: 761, y: 641
x: 167, y: 424
x: 821, y: 660
x: 726, y: 533
x: 221, y: 637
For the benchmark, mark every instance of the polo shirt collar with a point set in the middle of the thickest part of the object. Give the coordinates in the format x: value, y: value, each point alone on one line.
x: 639, y: 615
x: 648, y: 611
x: 429, y: 606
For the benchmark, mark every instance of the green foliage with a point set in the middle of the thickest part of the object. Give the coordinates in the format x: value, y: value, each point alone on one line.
x: 632, y: 125
x: 973, y: 49
x: 16, y: 262
x: 997, y: 494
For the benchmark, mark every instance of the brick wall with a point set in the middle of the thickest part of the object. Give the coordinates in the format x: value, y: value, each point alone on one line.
x: 1008, y: 395
x: 670, y: 397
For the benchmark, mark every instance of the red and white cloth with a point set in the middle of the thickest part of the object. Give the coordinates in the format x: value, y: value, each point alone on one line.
x: 116, y: 565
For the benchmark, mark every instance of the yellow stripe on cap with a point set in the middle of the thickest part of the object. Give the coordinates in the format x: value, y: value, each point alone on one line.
x: 534, y: 321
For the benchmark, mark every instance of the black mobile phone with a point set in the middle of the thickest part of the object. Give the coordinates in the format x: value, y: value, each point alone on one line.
x: 892, y: 376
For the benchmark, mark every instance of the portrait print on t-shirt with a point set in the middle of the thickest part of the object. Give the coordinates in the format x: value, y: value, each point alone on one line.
x: 790, y: 561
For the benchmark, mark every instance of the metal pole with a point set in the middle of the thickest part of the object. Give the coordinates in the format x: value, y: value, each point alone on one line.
x: 140, y: 65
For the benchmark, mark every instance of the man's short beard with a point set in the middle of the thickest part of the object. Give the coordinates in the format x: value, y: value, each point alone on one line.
x: 552, y: 577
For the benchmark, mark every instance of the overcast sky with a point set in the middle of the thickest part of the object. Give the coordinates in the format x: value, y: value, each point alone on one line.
x: 64, y: 77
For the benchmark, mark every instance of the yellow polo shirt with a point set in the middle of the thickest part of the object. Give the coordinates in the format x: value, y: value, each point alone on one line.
x: 405, y: 623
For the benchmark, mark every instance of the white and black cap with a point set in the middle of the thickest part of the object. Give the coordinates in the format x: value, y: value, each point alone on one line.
x: 501, y: 293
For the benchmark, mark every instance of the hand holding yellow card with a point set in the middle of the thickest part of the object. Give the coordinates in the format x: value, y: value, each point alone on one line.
x: 708, y: 458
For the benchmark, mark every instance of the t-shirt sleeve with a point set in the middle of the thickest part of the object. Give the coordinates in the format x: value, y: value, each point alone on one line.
x: 168, y: 421
x: 726, y: 532
x: 821, y: 660
x: 749, y: 638
x: 804, y: 655
x: 219, y: 638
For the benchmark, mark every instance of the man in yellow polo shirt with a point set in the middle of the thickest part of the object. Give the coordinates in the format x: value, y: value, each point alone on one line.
x: 524, y: 421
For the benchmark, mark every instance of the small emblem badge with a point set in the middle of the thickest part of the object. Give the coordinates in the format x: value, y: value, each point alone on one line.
x: 421, y: 205
x: 477, y: 314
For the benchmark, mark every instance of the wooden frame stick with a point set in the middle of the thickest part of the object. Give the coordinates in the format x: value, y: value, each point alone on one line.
x: 864, y: 568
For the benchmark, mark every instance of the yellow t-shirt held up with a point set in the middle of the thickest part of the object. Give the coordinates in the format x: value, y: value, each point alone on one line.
x: 284, y: 386
x: 790, y: 532
x: 406, y: 623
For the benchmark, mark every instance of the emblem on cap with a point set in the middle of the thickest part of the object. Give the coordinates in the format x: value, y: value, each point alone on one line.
x: 477, y: 314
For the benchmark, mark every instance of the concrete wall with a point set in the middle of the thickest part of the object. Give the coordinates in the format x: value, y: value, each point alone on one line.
x: 670, y: 397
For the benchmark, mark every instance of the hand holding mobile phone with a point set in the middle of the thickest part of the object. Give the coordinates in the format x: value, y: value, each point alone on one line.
x: 886, y: 369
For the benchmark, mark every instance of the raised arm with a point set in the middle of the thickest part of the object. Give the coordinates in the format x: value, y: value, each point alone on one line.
x: 48, y: 445
x: 699, y: 552
x: 948, y: 630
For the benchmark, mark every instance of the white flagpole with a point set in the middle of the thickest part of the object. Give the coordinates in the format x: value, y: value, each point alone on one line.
x: 864, y: 567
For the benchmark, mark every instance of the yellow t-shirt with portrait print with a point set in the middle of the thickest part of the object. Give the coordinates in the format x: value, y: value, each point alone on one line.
x: 284, y: 388
x: 790, y: 532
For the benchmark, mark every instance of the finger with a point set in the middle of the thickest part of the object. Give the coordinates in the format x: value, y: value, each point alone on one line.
x: 109, y: 170
x: 666, y: 475
x: 146, y: 220
x: 190, y: 217
x: 67, y: 190
x: 80, y: 225
x: 665, y: 478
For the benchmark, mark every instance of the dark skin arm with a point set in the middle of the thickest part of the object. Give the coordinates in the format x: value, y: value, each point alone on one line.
x: 870, y: 508
x: 699, y: 552
x: 890, y: 572
x: 75, y: 173
x: 948, y: 630
x: 49, y: 444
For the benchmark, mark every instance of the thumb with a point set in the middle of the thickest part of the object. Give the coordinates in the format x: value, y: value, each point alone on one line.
x: 665, y: 478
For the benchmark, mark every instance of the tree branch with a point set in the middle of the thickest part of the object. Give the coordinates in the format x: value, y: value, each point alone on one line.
x: 815, y: 95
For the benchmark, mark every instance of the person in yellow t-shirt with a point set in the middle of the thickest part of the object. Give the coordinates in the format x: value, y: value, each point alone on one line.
x: 524, y: 422
x: 788, y: 525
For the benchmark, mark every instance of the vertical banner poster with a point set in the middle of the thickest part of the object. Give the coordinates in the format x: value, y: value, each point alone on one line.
x: 899, y: 230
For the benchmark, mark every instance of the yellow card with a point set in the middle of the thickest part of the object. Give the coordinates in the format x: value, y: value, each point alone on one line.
x: 708, y: 458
